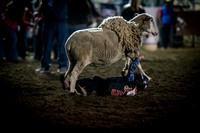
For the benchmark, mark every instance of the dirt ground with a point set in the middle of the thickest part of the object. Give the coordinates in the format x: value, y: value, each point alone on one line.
x: 37, y: 102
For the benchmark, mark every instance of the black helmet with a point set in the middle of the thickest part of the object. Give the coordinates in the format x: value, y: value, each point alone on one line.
x: 141, y: 81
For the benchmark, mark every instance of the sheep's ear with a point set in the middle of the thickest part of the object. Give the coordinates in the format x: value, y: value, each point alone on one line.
x: 136, y: 14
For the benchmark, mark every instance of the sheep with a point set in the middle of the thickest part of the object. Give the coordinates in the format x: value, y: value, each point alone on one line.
x: 106, y: 44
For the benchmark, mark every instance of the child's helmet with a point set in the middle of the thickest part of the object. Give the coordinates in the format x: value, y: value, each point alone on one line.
x: 141, y: 81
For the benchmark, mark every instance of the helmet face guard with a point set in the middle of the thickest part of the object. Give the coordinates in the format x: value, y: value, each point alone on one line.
x: 141, y: 81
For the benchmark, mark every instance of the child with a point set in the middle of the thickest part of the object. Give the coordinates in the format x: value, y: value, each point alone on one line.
x: 128, y: 86
x: 131, y: 75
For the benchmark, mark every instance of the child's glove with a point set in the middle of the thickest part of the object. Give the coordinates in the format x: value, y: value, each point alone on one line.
x: 133, y: 92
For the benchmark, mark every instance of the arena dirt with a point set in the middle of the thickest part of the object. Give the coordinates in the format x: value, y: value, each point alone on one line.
x: 37, y: 102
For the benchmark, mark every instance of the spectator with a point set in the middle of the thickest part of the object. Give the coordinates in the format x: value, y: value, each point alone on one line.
x: 55, y: 14
x: 166, y: 20
x: 38, y: 30
x: 81, y: 14
x: 94, y: 16
x: 38, y: 34
x: 131, y: 9
x: 26, y: 24
x: 9, y: 23
x: 179, y: 26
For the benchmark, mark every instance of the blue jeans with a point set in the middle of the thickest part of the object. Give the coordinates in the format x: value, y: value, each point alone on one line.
x: 9, y: 50
x: 165, y: 35
x: 58, y: 30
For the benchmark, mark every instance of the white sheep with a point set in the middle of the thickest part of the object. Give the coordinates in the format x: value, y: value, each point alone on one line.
x: 106, y: 44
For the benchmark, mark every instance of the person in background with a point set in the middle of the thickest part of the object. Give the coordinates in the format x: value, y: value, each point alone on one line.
x: 94, y: 16
x: 9, y: 23
x: 166, y: 19
x: 26, y: 23
x: 131, y: 9
x: 81, y: 14
x: 38, y: 30
x: 179, y: 26
x: 55, y: 15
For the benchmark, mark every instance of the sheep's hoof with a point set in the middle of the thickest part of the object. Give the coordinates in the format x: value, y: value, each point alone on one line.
x: 65, y: 87
x: 149, y: 78
x: 72, y: 93
x: 62, y: 79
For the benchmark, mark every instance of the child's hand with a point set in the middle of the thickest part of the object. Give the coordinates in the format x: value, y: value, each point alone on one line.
x: 141, y: 57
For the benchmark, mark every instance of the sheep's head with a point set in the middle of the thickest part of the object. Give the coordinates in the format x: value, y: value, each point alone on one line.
x: 149, y: 26
x: 145, y: 23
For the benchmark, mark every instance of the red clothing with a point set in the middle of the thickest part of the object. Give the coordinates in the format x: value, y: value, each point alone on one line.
x: 9, y: 23
x: 27, y: 16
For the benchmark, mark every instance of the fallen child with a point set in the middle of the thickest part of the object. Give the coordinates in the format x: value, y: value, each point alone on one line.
x: 116, y: 86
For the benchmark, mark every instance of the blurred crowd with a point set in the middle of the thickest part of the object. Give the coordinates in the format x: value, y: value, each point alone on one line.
x: 23, y: 25
x: 19, y: 26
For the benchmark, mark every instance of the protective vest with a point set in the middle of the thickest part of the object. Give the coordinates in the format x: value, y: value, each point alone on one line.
x: 166, y: 16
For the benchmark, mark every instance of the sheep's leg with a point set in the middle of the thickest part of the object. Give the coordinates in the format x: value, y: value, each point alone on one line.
x: 68, y: 74
x: 142, y: 71
x: 126, y: 67
x: 78, y: 68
